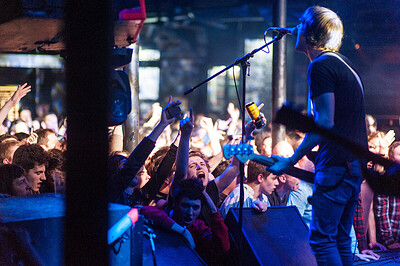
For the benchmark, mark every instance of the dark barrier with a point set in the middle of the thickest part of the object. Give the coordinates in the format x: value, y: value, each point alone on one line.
x: 277, y: 237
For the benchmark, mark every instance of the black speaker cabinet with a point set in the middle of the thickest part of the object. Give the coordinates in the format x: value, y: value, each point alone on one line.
x: 170, y: 249
x: 43, y: 217
x: 277, y: 237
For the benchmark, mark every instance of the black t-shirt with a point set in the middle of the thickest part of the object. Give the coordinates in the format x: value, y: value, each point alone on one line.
x: 275, y: 200
x: 328, y: 74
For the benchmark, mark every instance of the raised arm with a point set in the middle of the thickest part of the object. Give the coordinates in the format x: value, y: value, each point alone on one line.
x: 164, y: 121
x: 182, y: 157
x: 21, y: 91
x: 137, y: 158
x: 230, y: 173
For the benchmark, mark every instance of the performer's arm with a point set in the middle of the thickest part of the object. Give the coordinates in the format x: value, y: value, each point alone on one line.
x: 324, y: 110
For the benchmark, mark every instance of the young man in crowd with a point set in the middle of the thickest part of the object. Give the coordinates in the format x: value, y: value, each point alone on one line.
x: 7, y: 150
x: 259, y: 184
x: 33, y: 159
x: 47, y: 138
x: 286, y: 183
x: 193, y: 164
x: 210, y: 241
x: 13, y: 181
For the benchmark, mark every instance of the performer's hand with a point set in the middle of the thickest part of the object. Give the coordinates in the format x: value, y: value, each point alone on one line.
x: 280, y: 166
x: 367, y: 255
x: 259, y: 206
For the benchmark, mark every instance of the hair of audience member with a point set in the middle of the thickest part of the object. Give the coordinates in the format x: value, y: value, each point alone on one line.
x: 189, y: 188
x: 42, y: 135
x: 283, y: 148
x: 115, y: 163
x: 5, y: 149
x: 253, y: 170
x: 8, y: 173
x: 7, y: 137
x: 294, y: 139
x: 259, y: 139
x: 221, y: 167
x: 198, y: 153
x: 323, y: 28
x: 29, y: 155
x: 21, y: 135
x: 56, y: 160
x: 154, y: 161
x: 392, y: 148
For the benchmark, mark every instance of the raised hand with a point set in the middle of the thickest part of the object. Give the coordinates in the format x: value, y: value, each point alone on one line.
x: 233, y: 111
x: 186, y: 124
x: 32, y: 138
x: 21, y: 91
x: 207, y: 123
x: 388, y: 139
x: 250, y: 127
x: 164, y: 118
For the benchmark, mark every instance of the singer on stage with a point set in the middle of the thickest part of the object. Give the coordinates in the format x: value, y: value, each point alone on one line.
x: 336, y: 92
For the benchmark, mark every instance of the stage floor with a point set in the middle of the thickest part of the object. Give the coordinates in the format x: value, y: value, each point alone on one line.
x: 388, y: 258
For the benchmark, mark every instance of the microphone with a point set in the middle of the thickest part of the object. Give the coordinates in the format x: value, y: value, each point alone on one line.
x: 284, y: 31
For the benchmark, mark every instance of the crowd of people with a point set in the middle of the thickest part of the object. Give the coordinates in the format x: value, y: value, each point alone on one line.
x: 178, y: 177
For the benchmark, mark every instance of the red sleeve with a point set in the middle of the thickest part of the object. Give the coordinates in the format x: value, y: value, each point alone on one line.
x: 159, y: 217
x: 359, y: 227
x: 213, y: 240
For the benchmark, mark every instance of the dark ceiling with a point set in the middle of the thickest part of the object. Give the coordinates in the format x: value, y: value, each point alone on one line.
x: 372, y: 25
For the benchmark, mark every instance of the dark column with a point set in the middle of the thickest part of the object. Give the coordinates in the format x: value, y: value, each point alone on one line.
x: 278, y: 70
x: 88, y: 39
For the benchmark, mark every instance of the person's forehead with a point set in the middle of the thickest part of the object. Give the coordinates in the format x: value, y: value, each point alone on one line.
x: 195, y: 159
x: 39, y: 167
x: 192, y: 202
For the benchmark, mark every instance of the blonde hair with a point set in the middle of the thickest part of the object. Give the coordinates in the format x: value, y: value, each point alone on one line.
x: 323, y: 28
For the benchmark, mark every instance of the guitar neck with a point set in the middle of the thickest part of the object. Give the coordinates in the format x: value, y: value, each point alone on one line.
x: 293, y: 171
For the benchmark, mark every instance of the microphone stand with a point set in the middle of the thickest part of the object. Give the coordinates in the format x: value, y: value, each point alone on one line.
x: 244, y: 64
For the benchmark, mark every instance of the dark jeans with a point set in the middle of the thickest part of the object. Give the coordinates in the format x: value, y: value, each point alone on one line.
x: 334, y: 203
